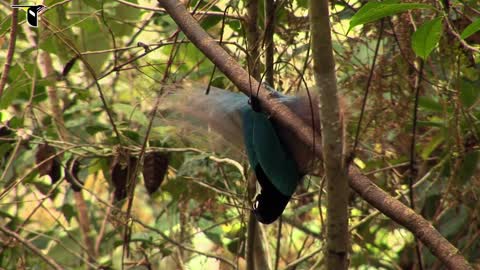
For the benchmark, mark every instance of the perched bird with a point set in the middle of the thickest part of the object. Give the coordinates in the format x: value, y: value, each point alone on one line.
x: 277, y: 157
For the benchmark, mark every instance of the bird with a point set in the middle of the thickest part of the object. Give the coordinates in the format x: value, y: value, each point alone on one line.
x: 277, y: 157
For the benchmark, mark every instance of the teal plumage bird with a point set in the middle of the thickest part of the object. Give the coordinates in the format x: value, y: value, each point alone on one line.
x: 277, y: 157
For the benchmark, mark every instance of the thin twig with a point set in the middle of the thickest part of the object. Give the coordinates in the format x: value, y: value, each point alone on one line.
x: 90, y: 69
x: 27, y: 173
x: 222, y: 29
x: 279, y: 241
x: 30, y: 246
x: 412, y: 165
x: 162, y: 10
x: 101, y: 232
x: 268, y: 40
x: 460, y: 39
x: 301, y: 227
x: 304, y: 258
x: 367, y: 88
x: 182, y: 246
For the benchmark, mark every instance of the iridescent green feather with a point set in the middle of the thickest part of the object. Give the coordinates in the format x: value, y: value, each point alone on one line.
x: 264, y: 148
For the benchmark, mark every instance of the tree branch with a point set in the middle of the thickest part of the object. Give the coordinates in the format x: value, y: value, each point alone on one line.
x: 32, y: 247
x: 392, y: 208
x: 185, y: 247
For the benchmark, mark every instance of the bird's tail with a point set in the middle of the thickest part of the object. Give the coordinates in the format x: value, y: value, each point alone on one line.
x: 219, y: 111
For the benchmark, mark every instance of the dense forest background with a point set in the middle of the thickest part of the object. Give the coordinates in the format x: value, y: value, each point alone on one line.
x: 94, y: 175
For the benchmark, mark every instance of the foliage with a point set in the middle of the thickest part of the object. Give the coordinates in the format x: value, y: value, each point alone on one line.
x: 199, y: 212
x: 426, y: 38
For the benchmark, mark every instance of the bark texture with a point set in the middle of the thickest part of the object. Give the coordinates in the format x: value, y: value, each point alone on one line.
x: 332, y: 142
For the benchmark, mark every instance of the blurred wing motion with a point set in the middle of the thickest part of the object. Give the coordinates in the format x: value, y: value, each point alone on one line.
x: 278, y: 158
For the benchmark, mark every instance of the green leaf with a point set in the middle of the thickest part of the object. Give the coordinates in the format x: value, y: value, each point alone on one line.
x: 97, y: 164
x: 131, y: 135
x: 235, y: 25
x: 5, y: 24
x: 69, y: 260
x: 131, y: 113
x: 211, y: 21
x: 94, y: 4
x: 94, y: 129
x: 373, y: 11
x: 469, y: 92
x: 426, y: 38
x: 471, y: 29
x: 176, y: 187
x: 40, y: 242
x: 94, y: 36
x: 453, y: 221
x: 215, y: 234
x: 302, y: 3
x: 468, y: 167
x: 68, y: 211
x: 430, y: 205
x: 432, y: 122
x: 122, y: 20
x: 429, y: 104
x: 431, y: 146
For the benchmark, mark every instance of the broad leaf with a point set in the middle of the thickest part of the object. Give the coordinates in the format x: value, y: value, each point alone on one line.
x: 469, y: 92
x: 469, y: 166
x: 431, y: 146
x: 426, y: 38
x: 429, y: 104
x: 373, y: 11
x: 471, y: 29
x: 452, y: 222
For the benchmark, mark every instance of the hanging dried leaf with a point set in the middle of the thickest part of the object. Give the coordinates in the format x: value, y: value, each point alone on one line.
x: 71, y: 174
x: 52, y: 166
x: 56, y: 172
x: 155, y: 167
x: 44, y: 151
x: 119, y: 176
x: 121, y: 171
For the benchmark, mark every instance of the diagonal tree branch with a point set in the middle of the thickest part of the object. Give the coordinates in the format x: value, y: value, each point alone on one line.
x: 389, y: 206
x: 32, y: 247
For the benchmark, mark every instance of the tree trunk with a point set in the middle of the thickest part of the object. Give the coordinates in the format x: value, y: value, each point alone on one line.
x: 332, y: 142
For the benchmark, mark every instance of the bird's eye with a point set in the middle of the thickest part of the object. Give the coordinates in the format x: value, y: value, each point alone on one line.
x: 255, y: 204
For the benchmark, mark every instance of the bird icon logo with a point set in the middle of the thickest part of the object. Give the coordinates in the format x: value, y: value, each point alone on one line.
x: 32, y: 13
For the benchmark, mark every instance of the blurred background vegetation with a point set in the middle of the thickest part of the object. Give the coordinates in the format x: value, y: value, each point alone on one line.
x: 67, y: 166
